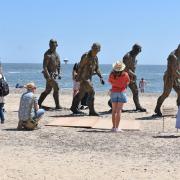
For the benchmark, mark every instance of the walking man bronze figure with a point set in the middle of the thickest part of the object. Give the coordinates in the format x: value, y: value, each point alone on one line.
x: 171, y: 79
x: 51, y: 71
x: 88, y: 66
x: 130, y: 61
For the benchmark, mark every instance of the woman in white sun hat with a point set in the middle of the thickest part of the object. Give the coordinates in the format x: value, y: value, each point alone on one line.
x: 119, y: 79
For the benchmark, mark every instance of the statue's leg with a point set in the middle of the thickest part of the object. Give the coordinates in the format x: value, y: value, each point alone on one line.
x: 90, y: 99
x: 45, y: 93
x: 77, y: 98
x: 134, y: 89
x: 56, y: 94
x: 168, y: 84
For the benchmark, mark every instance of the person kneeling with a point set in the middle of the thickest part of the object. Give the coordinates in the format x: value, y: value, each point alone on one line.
x: 29, y: 113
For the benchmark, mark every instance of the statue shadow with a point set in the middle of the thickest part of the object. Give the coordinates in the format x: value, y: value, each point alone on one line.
x: 95, y: 131
x: 47, y: 108
x: 152, y: 117
x: 11, y: 129
x: 167, y: 136
x: 15, y: 129
x: 130, y: 111
x: 70, y: 115
x: 123, y: 111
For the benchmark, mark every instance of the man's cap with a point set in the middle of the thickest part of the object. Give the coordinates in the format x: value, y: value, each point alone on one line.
x: 136, y: 47
x: 30, y: 86
x: 96, y: 46
x: 52, y: 41
x: 118, y: 66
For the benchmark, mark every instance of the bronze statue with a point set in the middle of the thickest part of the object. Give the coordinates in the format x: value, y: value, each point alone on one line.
x: 88, y: 67
x: 130, y: 61
x: 171, y: 79
x: 51, y: 71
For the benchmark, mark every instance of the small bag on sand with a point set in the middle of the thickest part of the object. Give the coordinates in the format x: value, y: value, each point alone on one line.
x: 30, y: 124
x: 178, y: 119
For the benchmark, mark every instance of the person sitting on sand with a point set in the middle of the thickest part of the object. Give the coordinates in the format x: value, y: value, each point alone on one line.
x: 119, y: 79
x: 18, y: 86
x: 29, y: 112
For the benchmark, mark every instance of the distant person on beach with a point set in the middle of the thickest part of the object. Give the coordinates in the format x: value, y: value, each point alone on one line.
x: 1, y: 102
x: 4, y: 91
x: 76, y: 87
x: 19, y: 86
x: 29, y: 112
x: 171, y: 79
x: 178, y: 119
x: 142, y: 84
x: 51, y: 71
x: 88, y: 66
x: 130, y: 61
x: 119, y: 80
x: 76, y: 84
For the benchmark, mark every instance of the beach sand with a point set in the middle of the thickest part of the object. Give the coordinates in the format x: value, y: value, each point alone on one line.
x: 64, y: 153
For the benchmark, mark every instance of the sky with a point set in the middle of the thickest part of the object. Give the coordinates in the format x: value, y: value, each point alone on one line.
x: 27, y: 26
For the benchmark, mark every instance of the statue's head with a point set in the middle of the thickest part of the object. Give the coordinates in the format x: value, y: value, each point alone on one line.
x: 178, y: 50
x: 136, y: 48
x: 179, y: 46
x: 53, y: 44
x: 96, y: 47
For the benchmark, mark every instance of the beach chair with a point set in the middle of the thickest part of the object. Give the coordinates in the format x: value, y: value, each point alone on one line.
x: 167, y: 112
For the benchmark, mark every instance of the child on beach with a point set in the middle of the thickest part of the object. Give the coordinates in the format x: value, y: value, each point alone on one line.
x: 119, y: 81
x: 76, y: 84
x: 142, y: 84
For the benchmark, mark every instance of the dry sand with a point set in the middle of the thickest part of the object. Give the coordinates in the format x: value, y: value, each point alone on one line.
x: 60, y: 153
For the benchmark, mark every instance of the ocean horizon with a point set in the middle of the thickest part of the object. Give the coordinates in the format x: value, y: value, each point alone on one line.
x: 23, y: 73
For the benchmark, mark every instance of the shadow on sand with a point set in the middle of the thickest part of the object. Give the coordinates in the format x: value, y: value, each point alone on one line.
x: 152, y: 117
x: 13, y: 129
x: 95, y: 131
x: 167, y: 136
x: 70, y: 115
x: 47, y: 108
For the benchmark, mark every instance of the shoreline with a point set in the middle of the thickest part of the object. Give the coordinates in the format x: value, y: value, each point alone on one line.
x: 69, y: 91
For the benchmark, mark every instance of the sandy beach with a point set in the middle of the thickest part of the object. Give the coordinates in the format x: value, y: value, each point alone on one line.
x: 62, y: 153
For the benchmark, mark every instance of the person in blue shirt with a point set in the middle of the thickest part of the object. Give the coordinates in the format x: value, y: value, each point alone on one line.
x: 29, y: 113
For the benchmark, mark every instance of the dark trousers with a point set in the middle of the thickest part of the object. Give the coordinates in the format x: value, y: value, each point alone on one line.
x: 1, y: 112
x: 85, y: 87
x: 84, y: 100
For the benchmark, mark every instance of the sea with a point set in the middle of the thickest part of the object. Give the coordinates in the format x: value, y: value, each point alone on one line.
x: 23, y: 73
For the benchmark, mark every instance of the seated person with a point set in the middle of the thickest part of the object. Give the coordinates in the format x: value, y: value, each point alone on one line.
x: 19, y: 86
x: 29, y: 112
